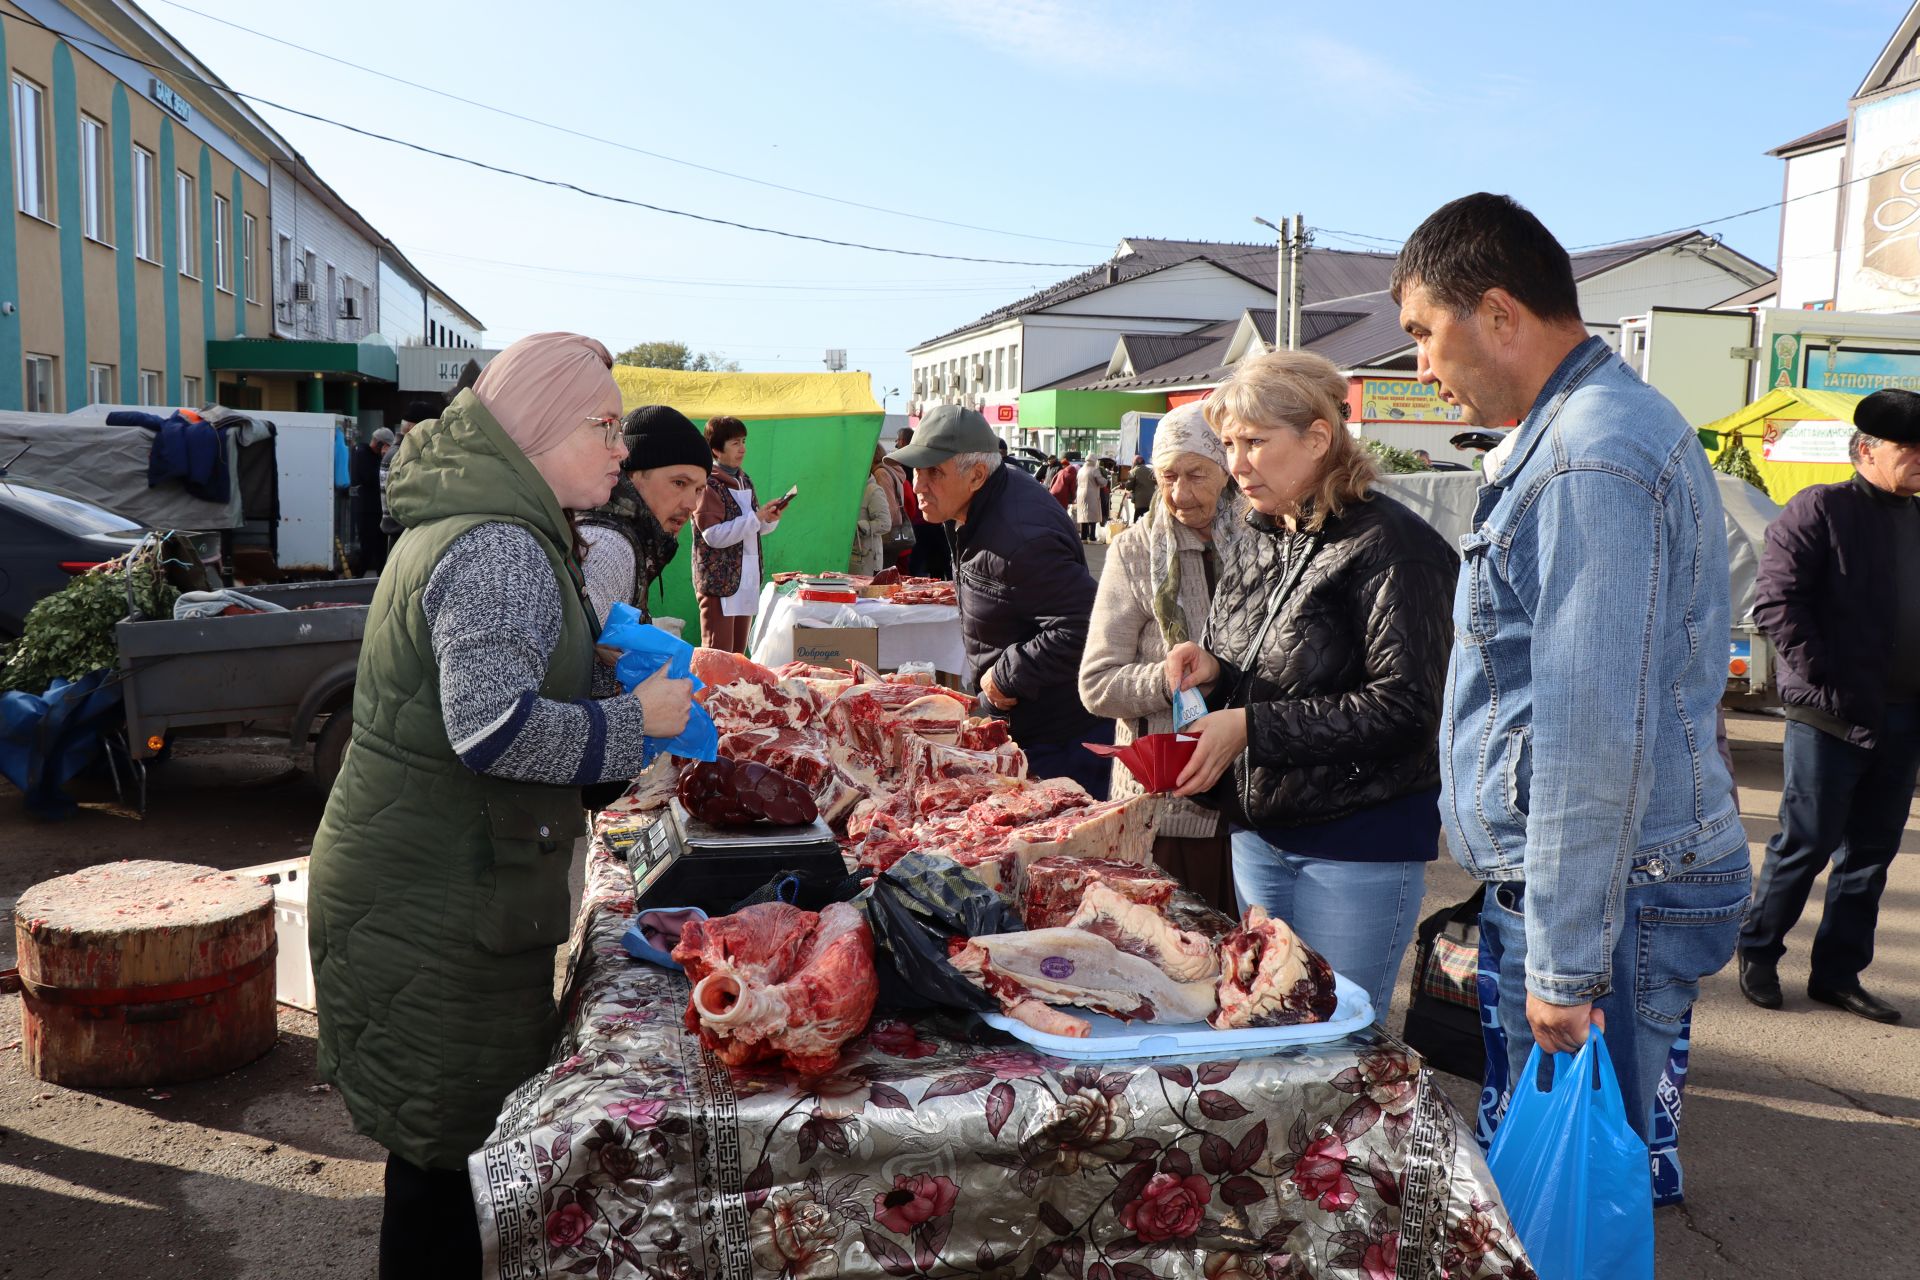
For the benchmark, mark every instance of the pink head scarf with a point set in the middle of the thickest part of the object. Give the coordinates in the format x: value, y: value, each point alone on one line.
x: 546, y: 386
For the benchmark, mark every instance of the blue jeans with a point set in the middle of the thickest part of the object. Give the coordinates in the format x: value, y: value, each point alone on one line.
x: 1677, y: 925
x: 1359, y: 915
x: 1848, y: 805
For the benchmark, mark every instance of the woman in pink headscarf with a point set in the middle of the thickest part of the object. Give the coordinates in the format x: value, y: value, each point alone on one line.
x: 438, y: 888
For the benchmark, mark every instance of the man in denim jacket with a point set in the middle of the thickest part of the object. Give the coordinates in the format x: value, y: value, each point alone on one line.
x: 1579, y: 772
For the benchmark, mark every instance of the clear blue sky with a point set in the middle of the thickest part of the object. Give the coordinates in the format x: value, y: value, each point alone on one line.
x: 1073, y: 120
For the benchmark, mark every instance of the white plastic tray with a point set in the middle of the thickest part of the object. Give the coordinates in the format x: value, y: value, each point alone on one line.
x: 1110, y: 1038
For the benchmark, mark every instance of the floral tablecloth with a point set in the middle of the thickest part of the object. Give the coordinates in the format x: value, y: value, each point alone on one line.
x: 636, y: 1154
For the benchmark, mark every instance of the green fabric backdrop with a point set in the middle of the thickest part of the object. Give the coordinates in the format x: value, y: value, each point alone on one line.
x: 828, y: 458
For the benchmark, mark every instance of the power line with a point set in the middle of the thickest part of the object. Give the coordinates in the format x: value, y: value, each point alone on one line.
x: 878, y: 286
x: 534, y: 178
x: 624, y: 146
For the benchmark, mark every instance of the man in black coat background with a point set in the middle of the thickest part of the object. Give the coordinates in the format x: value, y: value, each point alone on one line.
x: 1839, y: 596
x: 1025, y: 594
x: 364, y: 501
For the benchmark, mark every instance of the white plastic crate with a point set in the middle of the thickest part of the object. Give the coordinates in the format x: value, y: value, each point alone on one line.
x: 292, y: 967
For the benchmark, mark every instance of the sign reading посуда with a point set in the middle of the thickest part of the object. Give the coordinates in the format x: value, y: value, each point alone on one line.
x: 1404, y: 400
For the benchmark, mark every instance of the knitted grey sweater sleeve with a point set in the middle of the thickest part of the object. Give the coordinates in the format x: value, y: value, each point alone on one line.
x: 494, y: 611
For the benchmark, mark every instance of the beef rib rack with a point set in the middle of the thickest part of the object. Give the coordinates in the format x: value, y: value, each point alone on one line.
x: 1056, y: 885
x: 773, y: 981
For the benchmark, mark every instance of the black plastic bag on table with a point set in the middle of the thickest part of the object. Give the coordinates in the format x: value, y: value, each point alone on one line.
x: 913, y: 907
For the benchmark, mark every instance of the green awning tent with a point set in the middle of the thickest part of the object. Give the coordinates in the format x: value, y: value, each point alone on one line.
x: 814, y: 430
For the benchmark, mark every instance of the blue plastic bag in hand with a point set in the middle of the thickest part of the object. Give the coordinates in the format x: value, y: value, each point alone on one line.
x: 1574, y: 1174
x: 644, y: 649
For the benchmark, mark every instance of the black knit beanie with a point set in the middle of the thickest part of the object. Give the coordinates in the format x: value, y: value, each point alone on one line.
x: 658, y: 435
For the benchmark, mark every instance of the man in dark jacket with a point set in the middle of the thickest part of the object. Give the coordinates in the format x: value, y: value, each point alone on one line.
x: 1839, y: 596
x: 1024, y: 590
x: 363, y: 494
x: 1142, y: 485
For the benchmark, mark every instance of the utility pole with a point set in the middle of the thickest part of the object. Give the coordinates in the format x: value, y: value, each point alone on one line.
x: 1282, y: 289
x: 1297, y: 279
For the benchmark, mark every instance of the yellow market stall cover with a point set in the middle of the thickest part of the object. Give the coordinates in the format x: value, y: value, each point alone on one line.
x: 811, y: 431
x: 1797, y: 437
x: 748, y: 395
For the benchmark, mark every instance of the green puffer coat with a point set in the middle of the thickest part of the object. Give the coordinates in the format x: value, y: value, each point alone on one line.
x: 437, y: 895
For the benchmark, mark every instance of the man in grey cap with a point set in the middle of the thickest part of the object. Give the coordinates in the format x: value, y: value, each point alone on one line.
x: 1839, y: 596
x: 363, y: 500
x: 1024, y: 590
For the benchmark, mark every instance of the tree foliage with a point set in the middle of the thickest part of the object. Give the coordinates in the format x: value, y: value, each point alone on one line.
x: 676, y: 355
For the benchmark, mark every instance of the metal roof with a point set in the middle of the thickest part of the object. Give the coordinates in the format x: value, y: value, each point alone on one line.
x: 1326, y: 274
x: 1835, y: 132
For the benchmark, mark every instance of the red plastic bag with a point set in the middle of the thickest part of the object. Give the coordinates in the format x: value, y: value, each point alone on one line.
x: 1155, y: 760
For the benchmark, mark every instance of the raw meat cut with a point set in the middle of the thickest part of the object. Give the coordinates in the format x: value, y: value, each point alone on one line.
x: 716, y: 668
x: 1270, y: 978
x: 816, y: 686
x: 870, y: 724
x: 1056, y: 885
x: 1121, y: 830
x: 981, y: 733
x: 928, y: 762
x: 773, y: 981
x: 1074, y: 967
x: 742, y: 792
x: 748, y: 704
x: 1144, y: 932
x: 803, y: 755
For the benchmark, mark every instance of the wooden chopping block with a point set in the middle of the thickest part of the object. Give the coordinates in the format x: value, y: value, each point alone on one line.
x: 141, y: 973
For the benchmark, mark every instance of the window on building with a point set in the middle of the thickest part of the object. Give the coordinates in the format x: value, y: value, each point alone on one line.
x: 30, y: 147
x: 366, y: 308
x: 189, y: 223
x: 95, y: 197
x: 1013, y: 368
x: 146, y: 205
x: 150, y: 386
x: 1000, y: 369
x: 40, y: 382
x: 190, y: 392
x: 249, y: 256
x: 99, y: 384
x: 222, y: 268
x: 332, y: 302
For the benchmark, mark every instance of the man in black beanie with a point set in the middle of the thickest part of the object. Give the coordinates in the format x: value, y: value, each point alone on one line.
x: 632, y: 538
x: 1839, y: 596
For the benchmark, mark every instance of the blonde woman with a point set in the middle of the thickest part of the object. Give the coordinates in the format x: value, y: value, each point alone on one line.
x: 1325, y: 664
x: 1154, y: 594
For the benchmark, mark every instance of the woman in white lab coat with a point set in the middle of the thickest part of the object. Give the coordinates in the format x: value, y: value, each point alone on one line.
x: 726, y: 548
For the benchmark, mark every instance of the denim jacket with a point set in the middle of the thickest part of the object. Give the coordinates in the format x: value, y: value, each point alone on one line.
x: 1590, y: 623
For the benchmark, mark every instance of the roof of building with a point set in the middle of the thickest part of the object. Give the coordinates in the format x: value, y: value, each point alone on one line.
x: 1326, y: 274
x: 1818, y: 140
x: 1752, y: 297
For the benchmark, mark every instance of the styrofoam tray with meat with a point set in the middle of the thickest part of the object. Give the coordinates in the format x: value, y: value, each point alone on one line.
x: 1108, y: 1038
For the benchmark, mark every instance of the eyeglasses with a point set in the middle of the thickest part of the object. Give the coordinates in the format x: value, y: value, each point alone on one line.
x: 609, y: 428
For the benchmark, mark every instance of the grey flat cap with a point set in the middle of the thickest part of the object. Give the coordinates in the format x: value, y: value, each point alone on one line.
x: 944, y: 432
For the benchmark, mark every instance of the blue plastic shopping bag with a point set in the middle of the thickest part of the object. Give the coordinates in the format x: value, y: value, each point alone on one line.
x: 644, y: 649
x: 1574, y: 1174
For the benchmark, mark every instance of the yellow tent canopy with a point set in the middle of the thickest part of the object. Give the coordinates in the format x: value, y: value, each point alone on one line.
x: 1762, y: 423
x: 748, y: 395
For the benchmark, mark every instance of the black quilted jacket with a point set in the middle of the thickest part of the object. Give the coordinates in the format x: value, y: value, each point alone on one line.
x: 1343, y: 699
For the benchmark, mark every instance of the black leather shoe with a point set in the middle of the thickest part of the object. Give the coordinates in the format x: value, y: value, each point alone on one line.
x: 1856, y: 1002
x: 1760, y: 982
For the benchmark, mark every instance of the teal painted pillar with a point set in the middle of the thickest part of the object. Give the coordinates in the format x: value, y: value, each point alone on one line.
x: 127, y: 294
x: 353, y: 400
x: 240, y: 282
x: 209, y: 270
x: 12, y: 375
x: 170, y: 257
x: 313, y: 396
x: 73, y: 270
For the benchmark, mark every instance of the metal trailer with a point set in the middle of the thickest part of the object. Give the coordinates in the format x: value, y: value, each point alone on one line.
x: 288, y: 674
x: 1445, y: 500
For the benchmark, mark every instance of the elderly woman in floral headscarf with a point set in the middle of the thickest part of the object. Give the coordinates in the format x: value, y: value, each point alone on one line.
x: 1154, y: 594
